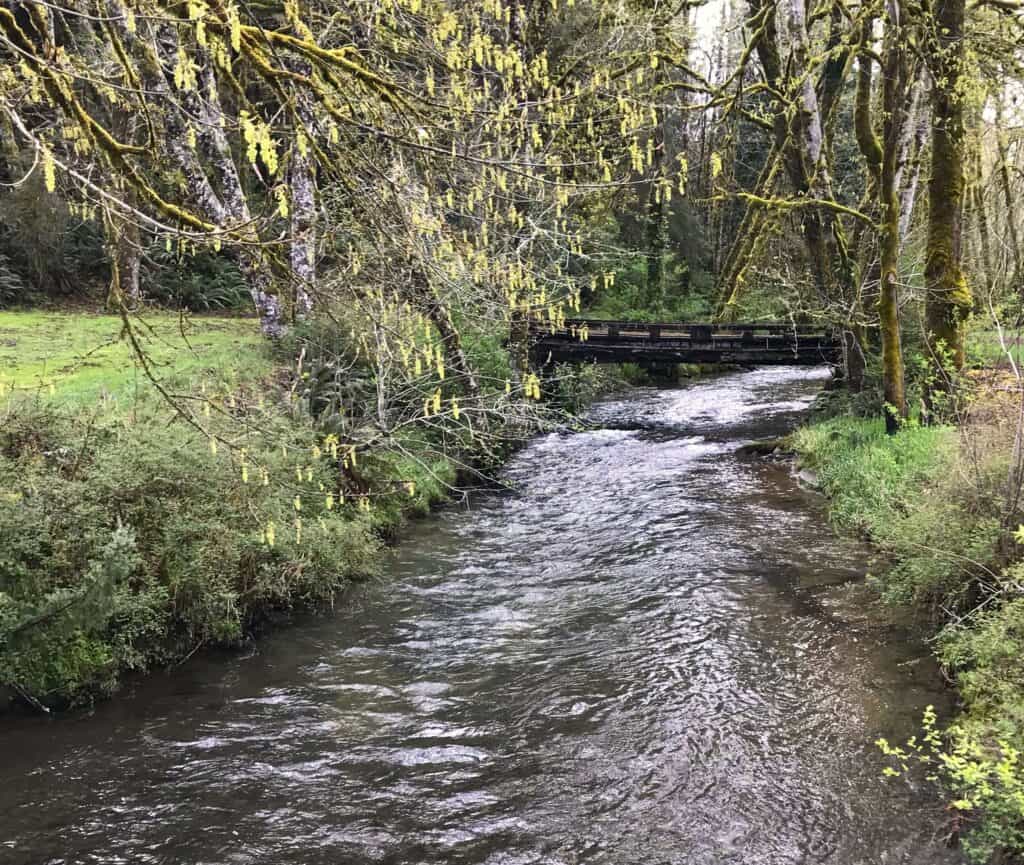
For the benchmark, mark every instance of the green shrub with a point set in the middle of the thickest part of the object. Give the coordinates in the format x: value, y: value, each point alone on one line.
x: 934, y: 508
x: 988, y: 655
x: 984, y: 776
x: 578, y: 385
x: 202, y: 282
x: 12, y: 287
x: 199, y: 568
x: 53, y: 252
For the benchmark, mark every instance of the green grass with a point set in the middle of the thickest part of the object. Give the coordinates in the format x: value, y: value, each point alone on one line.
x: 932, y: 500
x: 79, y: 356
x: 985, y: 349
x: 872, y: 479
x: 934, y: 516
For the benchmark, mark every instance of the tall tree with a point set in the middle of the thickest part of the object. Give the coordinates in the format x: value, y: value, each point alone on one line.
x: 948, y: 299
x: 895, y: 78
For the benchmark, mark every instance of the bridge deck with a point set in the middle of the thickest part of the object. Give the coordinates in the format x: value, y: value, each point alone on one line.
x: 599, y: 341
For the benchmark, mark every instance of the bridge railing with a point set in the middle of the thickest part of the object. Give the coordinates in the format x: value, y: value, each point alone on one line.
x: 629, y: 331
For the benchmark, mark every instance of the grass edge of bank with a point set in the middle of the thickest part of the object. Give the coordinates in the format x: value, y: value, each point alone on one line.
x: 130, y: 540
x: 930, y: 499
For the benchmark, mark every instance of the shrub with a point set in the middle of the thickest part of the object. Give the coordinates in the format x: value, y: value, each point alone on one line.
x: 127, y: 541
x: 984, y: 776
x: 933, y: 503
x: 52, y: 252
x: 202, y: 282
x: 12, y: 287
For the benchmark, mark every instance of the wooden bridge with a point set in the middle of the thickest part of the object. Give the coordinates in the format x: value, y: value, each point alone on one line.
x: 587, y: 340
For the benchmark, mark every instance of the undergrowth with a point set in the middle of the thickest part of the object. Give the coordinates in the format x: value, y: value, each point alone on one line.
x: 933, y: 499
x: 127, y: 542
x: 132, y: 536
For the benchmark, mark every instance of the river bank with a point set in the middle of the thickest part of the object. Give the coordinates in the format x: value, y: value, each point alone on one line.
x: 142, y: 522
x: 627, y: 655
x: 151, y: 511
x: 935, y: 503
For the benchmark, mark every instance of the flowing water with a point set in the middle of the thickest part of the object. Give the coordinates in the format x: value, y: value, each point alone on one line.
x: 640, y: 655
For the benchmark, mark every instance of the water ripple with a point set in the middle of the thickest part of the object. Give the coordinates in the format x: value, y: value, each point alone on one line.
x: 622, y: 662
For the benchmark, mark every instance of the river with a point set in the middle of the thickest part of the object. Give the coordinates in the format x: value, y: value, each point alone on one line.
x: 650, y: 652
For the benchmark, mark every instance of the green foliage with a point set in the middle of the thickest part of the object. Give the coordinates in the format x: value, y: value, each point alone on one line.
x: 871, y: 478
x: 988, y: 656
x: 980, y: 763
x: 487, y: 354
x: 12, y: 287
x: 53, y: 253
x: 49, y: 628
x: 984, y: 774
x: 937, y: 519
x: 127, y: 541
x: 904, y: 493
x: 577, y: 386
x: 689, y: 294
x: 202, y: 282
x: 334, y: 384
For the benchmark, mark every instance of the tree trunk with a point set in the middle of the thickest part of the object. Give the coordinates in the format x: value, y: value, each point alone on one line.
x: 750, y: 228
x: 254, y: 267
x: 948, y: 299
x: 1003, y: 149
x: 227, y: 207
x: 909, y: 172
x: 303, y: 233
x: 128, y: 262
x: 124, y: 249
x: 980, y: 213
x: 302, y: 189
x: 893, y: 97
x: 437, y: 311
x: 656, y: 229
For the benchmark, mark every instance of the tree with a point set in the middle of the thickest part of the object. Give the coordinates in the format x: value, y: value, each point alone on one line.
x: 948, y: 296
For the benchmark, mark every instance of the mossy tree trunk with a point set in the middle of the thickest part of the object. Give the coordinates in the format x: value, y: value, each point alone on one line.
x: 894, y: 92
x: 948, y: 297
x: 124, y: 247
x: 225, y: 202
x: 303, y: 193
x: 751, y: 227
x: 854, y: 330
x: 1006, y: 185
x: 804, y: 109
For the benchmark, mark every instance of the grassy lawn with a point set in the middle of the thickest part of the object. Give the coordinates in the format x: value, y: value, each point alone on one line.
x: 78, y: 356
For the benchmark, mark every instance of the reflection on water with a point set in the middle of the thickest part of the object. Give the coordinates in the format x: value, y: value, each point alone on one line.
x: 633, y: 658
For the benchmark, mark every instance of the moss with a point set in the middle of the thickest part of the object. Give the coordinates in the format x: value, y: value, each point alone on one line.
x: 948, y: 296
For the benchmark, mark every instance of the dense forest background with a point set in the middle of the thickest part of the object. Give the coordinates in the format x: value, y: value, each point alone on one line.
x: 855, y: 165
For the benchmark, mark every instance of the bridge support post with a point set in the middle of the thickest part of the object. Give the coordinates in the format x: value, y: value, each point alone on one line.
x: 663, y: 372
